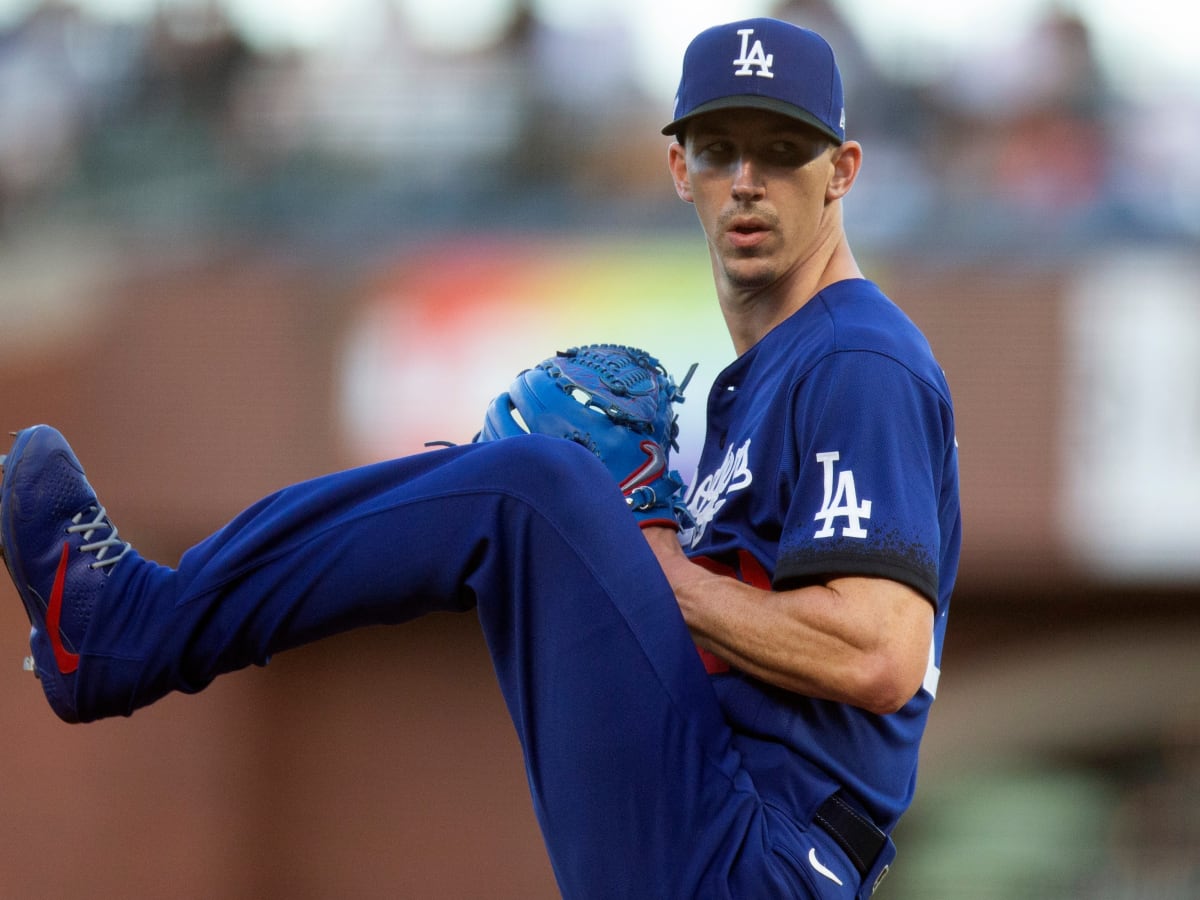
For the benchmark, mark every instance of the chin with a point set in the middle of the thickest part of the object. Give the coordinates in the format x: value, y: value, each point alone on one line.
x: 745, y: 276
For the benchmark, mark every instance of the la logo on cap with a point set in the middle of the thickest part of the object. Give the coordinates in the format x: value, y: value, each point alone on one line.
x: 753, y: 56
x: 798, y: 78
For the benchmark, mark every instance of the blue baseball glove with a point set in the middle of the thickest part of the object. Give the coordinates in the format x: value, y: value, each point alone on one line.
x: 616, y: 401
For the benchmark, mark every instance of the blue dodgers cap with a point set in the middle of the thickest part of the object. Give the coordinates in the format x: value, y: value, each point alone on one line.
x: 762, y: 64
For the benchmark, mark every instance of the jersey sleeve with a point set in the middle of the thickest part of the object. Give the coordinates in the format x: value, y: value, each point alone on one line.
x: 870, y: 439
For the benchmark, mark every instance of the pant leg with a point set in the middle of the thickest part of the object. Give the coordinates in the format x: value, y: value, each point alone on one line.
x: 634, y: 779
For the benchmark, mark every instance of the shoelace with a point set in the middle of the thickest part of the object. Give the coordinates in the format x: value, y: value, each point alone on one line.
x: 100, y: 548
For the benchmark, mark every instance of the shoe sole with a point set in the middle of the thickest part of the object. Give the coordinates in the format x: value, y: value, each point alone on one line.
x: 27, y: 664
x: 4, y: 470
x: 3, y: 462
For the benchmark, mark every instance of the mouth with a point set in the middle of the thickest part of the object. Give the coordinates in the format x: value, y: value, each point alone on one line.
x: 745, y: 233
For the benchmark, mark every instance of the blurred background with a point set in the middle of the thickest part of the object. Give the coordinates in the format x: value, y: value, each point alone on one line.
x: 244, y: 243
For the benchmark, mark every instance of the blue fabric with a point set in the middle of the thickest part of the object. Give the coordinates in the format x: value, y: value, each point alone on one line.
x: 831, y: 451
x: 636, y: 777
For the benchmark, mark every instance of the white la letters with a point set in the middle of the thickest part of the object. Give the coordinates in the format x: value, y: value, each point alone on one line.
x: 842, y: 503
x: 753, y: 56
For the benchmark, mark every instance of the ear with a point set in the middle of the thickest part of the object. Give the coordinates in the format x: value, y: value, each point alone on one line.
x: 847, y: 160
x: 677, y: 162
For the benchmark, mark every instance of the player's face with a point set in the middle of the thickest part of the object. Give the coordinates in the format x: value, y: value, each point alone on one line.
x: 761, y: 185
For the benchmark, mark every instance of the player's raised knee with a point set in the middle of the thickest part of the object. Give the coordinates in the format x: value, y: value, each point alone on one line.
x: 540, y: 463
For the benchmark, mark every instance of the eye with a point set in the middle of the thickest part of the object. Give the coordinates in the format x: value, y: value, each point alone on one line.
x: 792, y: 153
x: 714, y: 149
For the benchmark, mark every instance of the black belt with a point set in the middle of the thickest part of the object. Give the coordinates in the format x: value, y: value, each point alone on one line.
x: 853, y: 831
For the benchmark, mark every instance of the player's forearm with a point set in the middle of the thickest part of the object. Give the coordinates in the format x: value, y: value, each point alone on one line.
x: 786, y: 640
x: 858, y: 641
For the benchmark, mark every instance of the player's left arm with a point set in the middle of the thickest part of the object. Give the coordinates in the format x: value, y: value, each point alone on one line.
x: 857, y: 640
x: 849, y: 615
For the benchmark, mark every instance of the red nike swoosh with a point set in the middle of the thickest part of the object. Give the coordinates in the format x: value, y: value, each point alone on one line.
x: 67, y: 661
x: 655, y: 464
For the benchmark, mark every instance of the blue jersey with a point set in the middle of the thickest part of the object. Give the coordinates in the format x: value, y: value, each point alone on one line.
x: 830, y: 451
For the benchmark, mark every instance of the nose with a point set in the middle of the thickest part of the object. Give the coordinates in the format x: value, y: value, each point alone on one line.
x: 747, y: 180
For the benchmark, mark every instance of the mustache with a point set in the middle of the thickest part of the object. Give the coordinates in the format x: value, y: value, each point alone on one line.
x: 760, y: 216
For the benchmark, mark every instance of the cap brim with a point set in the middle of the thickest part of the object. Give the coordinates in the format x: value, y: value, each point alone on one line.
x: 752, y: 101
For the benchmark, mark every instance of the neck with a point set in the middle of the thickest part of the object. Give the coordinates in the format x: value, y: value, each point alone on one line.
x: 751, y: 312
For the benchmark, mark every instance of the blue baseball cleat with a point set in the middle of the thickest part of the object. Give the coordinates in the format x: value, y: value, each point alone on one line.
x: 59, y: 546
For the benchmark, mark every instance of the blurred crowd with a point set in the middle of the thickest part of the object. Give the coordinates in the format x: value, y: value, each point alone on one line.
x: 181, y: 121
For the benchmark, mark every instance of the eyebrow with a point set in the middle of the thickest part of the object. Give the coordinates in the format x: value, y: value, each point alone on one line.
x: 782, y: 127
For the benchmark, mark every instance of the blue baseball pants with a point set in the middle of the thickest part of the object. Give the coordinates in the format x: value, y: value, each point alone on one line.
x: 638, y: 783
